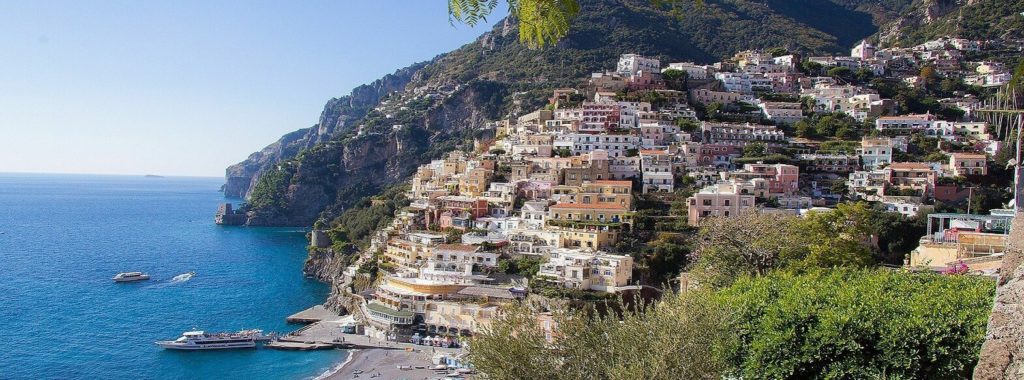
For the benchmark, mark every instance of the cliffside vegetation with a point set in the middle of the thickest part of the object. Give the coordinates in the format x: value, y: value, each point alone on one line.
x: 976, y: 20
x: 776, y: 298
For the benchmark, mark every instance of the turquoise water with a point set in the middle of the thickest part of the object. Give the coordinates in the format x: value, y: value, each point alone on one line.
x: 63, y: 236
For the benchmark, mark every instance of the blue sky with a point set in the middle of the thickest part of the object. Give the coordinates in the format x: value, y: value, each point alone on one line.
x: 189, y: 87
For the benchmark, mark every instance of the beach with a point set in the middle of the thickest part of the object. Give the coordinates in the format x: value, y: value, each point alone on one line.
x: 385, y: 362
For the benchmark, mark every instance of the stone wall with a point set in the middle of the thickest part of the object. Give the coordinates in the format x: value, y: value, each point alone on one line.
x: 1002, y: 355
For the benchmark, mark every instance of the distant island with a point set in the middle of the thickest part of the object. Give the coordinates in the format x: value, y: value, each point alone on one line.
x: 153, y: 176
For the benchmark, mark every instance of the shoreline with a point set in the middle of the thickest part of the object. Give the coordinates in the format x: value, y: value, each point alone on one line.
x: 331, y: 372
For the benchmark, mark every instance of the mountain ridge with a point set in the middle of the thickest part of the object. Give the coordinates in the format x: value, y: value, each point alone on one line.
x: 495, y: 77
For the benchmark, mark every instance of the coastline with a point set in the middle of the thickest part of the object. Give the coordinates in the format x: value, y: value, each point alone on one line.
x: 384, y: 363
x: 328, y: 374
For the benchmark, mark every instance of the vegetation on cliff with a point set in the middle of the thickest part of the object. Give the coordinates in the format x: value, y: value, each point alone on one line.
x: 975, y: 20
x: 819, y: 324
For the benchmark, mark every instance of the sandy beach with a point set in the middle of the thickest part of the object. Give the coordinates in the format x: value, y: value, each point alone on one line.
x: 385, y: 362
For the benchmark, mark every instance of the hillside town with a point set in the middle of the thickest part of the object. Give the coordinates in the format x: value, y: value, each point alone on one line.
x: 541, y: 202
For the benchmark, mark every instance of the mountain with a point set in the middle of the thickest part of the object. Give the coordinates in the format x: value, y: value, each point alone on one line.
x: 377, y: 135
x: 972, y: 19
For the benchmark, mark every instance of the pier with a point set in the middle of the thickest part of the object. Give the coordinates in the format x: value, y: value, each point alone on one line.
x: 314, y: 314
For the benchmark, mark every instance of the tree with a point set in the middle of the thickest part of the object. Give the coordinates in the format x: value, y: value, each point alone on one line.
x: 541, y: 22
x: 756, y: 149
x: 750, y: 244
x: 687, y: 125
x: 928, y: 77
x: 777, y: 51
x: 858, y: 324
x: 674, y: 75
x: 840, y: 73
x: 681, y: 336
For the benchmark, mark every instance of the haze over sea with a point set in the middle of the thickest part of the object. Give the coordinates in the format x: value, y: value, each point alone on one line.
x: 62, y: 237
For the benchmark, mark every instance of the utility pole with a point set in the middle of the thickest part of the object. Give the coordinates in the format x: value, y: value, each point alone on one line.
x: 1018, y: 178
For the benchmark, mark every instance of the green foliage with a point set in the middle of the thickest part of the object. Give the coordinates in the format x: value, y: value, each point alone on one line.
x: 831, y: 125
x: 357, y: 224
x: 821, y: 324
x: 755, y: 149
x: 680, y: 337
x: 858, y: 324
x: 753, y: 244
x: 523, y: 266
x: 269, y: 193
x: 980, y: 20
x: 541, y: 22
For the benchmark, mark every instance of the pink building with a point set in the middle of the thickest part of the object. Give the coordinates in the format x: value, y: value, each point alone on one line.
x: 782, y: 178
x: 474, y: 207
x: 723, y: 200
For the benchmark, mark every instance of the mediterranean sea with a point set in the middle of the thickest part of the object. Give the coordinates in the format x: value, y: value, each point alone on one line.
x: 62, y: 238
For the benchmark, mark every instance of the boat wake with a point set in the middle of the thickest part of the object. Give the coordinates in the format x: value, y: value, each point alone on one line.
x: 182, y: 277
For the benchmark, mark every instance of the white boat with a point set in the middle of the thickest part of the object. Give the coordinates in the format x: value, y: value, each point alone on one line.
x: 130, y: 276
x: 200, y: 340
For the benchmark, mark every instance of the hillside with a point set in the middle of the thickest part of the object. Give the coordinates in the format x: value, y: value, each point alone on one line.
x: 430, y: 108
x: 972, y: 19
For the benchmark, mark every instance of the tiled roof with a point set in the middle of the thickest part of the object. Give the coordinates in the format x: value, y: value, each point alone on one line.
x: 910, y: 166
x: 589, y: 206
x: 457, y: 247
x: 969, y: 155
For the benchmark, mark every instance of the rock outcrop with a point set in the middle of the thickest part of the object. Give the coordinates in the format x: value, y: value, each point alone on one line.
x: 242, y: 177
x: 1002, y: 354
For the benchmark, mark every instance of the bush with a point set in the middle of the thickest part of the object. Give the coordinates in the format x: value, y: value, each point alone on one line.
x: 858, y: 324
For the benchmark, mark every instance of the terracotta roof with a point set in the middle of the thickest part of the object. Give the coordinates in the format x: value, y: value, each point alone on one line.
x: 910, y: 166
x: 614, y: 182
x: 588, y: 206
x: 458, y: 247
x: 969, y: 155
x: 916, y: 117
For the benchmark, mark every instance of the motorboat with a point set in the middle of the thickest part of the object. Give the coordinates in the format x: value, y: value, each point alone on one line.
x: 130, y: 277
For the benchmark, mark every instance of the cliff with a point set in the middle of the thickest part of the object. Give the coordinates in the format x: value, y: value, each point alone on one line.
x: 379, y: 133
x: 1002, y: 354
x: 242, y: 177
x: 972, y: 19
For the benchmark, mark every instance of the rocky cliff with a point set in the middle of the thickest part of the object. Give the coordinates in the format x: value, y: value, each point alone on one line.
x: 242, y: 177
x: 973, y: 19
x: 1002, y: 355
x: 378, y: 134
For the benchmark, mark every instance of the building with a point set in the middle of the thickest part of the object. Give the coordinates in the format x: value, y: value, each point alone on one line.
x: 782, y: 112
x: 717, y: 200
x: 830, y: 163
x: 782, y: 178
x: 656, y: 171
x: 863, y: 50
x: 905, y: 123
x: 633, y: 64
x: 965, y: 164
x: 875, y: 152
x: 693, y: 71
x: 587, y: 270
x: 741, y: 134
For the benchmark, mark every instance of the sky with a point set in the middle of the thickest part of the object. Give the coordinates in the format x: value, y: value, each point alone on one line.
x: 190, y: 87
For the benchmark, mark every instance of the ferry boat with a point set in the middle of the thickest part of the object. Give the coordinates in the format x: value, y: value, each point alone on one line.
x: 130, y: 276
x: 201, y: 340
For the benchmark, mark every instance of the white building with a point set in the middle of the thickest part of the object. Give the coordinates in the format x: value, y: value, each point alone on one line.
x: 875, y: 152
x: 587, y: 270
x: 632, y: 64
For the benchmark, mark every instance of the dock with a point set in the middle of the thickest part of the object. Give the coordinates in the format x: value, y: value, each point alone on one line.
x: 312, y: 315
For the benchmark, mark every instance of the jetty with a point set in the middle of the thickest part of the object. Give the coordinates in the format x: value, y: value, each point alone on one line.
x: 314, y: 314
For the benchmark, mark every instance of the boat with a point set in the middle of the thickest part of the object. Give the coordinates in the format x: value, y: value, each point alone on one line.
x: 201, y: 340
x: 130, y: 276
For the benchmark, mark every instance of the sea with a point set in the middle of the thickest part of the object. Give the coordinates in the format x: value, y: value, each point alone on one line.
x: 62, y: 238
